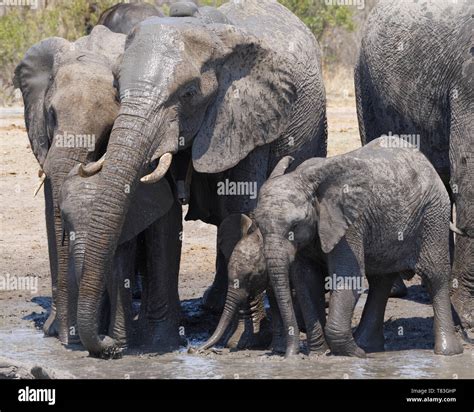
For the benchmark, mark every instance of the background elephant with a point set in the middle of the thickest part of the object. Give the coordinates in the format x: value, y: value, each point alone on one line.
x: 153, y: 211
x: 190, y: 9
x: 122, y: 17
x: 414, y: 77
x: 70, y: 107
x: 232, y: 99
x: 248, y: 280
x: 379, y: 210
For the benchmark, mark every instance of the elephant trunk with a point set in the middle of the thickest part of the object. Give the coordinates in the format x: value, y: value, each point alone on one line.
x: 234, y: 299
x: 129, y: 147
x: 65, y: 313
x: 278, y: 265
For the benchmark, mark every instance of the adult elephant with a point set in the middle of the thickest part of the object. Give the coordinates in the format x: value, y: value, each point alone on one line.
x: 153, y: 214
x: 414, y: 77
x: 122, y: 17
x: 70, y: 107
x: 233, y: 98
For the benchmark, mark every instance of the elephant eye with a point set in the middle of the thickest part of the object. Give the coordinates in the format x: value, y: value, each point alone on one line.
x: 189, y: 93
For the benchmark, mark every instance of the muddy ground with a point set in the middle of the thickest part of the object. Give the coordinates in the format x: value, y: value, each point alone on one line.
x: 23, y: 252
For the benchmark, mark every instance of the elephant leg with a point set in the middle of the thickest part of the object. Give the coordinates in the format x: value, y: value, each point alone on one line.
x: 345, y: 263
x: 120, y: 293
x: 398, y: 288
x: 278, y: 344
x: 435, y: 268
x: 213, y: 299
x: 446, y: 341
x: 369, y: 333
x: 462, y: 284
x: 308, y: 281
x: 160, y: 310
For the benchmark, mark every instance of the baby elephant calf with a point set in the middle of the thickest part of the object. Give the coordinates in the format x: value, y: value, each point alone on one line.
x: 380, y: 210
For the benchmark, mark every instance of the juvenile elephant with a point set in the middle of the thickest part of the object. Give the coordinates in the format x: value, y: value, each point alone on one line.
x: 122, y: 17
x: 231, y: 98
x: 414, y: 77
x: 379, y: 211
x: 70, y: 107
x: 153, y: 211
x: 248, y: 280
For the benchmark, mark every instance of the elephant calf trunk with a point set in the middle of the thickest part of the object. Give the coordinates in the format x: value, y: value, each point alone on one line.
x: 232, y: 304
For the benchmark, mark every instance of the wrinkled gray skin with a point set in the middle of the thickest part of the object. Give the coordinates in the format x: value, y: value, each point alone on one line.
x: 67, y: 88
x: 122, y: 17
x: 234, y: 98
x: 153, y: 209
x: 378, y: 211
x: 415, y: 76
x: 247, y: 282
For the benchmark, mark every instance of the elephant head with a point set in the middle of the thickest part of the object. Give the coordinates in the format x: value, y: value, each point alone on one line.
x: 70, y: 106
x: 122, y: 17
x: 318, y: 202
x: 213, y: 89
x: 247, y: 276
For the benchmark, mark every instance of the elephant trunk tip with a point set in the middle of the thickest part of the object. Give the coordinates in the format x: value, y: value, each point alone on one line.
x: 107, y: 348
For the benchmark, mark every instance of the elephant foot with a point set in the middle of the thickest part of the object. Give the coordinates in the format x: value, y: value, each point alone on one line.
x: 343, y: 344
x: 292, y: 350
x: 463, y: 309
x: 316, y: 342
x: 110, y: 349
x: 160, y: 336
x: 399, y: 290
x: 448, y: 344
x: 213, y: 299
x: 318, y: 349
x: 370, y: 344
x: 245, y: 337
x: 50, y: 327
x: 278, y: 344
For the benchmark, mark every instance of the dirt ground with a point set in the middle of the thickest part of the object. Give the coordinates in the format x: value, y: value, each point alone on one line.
x: 23, y: 252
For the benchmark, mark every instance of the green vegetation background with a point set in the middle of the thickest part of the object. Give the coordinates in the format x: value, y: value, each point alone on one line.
x: 21, y: 27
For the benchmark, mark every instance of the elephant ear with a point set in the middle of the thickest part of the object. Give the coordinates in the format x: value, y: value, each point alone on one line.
x: 254, y: 99
x: 343, y: 187
x: 149, y: 203
x: 233, y: 228
x: 33, y: 76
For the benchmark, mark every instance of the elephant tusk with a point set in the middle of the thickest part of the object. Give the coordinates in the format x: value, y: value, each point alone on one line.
x: 91, y: 168
x: 163, y: 166
x: 455, y: 229
x: 42, y: 177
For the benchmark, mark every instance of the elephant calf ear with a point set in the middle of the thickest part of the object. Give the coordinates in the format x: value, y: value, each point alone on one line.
x: 33, y: 77
x: 254, y: 100
x: 343, y: 188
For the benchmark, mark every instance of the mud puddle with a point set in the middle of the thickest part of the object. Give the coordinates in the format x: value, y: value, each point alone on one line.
x: 27, y: 344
